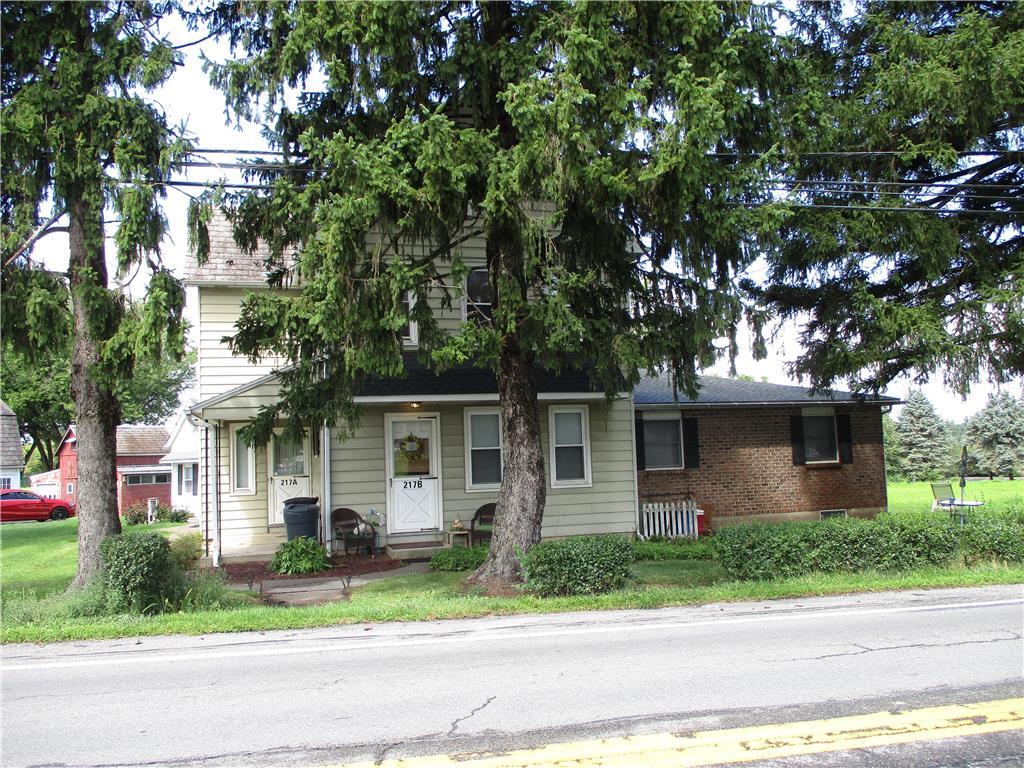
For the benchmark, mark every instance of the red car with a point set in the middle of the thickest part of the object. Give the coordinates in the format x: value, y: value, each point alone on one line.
x: 16, y: 504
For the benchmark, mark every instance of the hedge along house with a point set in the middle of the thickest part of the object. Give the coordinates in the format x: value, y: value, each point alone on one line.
x: 755, y: 451
x: 427, y: 449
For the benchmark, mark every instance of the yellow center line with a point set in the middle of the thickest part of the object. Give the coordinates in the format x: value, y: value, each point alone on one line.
x: 741, y: 745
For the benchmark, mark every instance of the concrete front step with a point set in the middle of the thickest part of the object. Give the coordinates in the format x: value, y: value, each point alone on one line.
x: 422, y: 550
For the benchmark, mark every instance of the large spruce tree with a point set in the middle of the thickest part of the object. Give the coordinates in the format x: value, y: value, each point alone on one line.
x: 924, y: 444
x: 997, y: 433
x: 905, y: 143
x: 591, y: 145
x: 81, y: 146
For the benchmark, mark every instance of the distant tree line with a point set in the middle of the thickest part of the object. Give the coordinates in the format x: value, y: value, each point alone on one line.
x: 919, y: 445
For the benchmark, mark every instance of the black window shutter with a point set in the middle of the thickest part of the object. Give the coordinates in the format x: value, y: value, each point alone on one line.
x: 796, y: 436
x: 844, y: 437
x: 691, y: 444
x: 195, y: 479
x: 181, y: 471
x: 641, y: 459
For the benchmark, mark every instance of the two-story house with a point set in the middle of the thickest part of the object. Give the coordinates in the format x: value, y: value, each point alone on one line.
x: 427, y: 449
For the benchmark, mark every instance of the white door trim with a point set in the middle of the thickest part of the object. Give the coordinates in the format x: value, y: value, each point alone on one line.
x: 435, y: 463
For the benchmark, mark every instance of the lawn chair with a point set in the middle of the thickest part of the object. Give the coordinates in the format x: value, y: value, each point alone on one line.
x: 943, y: 495
x: 482, y: 525
x: 349, y: 527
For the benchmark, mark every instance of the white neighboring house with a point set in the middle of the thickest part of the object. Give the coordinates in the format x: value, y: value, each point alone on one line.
x: 12, y: 458
x: 183, y: 458
x: 47, y: 484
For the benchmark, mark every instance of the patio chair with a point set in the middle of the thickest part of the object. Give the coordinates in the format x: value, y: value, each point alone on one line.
x: 482, y: 525
x: 349, y: 527
x: 943, y: 495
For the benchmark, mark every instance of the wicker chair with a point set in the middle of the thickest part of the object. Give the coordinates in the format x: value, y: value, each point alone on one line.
x: 349, y: 527
x: 482, y: 525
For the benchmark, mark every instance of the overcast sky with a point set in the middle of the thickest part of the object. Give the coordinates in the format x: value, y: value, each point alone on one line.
x: 188, y: 97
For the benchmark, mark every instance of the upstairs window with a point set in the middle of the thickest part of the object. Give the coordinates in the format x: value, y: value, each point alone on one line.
x: 478, y: 296
x: 409, y: 331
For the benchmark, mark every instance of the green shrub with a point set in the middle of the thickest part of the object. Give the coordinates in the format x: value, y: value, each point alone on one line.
x: 300, y: 555
x: 135, y: 513
x: 992, y: 535
x: 674, y: 549
x: 759, y: 551
x: 187, y: 549
x: 578, y: 565
x: 139, y: 574
x: 459, y: 558
x: 166, y: 514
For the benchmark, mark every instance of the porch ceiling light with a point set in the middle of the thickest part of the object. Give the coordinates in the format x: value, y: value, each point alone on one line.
x: 415, y: 404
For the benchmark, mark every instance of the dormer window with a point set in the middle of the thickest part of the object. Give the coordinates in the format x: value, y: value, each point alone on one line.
x: 478, y: 296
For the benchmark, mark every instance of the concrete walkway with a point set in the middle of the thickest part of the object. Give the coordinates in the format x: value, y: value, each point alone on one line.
x: 327, y: 590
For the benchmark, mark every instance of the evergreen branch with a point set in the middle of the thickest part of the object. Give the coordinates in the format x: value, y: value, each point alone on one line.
x: 41, y: 231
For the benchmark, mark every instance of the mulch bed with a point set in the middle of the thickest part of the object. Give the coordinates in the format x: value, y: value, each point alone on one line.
x: 341, y: 565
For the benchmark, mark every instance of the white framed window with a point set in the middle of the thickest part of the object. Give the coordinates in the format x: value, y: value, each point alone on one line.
x: 483, y: 449
x: 187, y: 480
x: 820, y: 435
x: 569, y: 430
x: 663, y: 441
x: 71, y: 488
x: 243, y: 464
x: 477, y: 296
x: 158, y: 478
x: 410, y: 332
x: 5, y: 483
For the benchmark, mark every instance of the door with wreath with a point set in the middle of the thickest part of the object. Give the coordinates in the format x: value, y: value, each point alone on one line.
x: 414, y: 485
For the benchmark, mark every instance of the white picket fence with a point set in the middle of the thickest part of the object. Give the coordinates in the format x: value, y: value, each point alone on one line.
x: 669, y: 519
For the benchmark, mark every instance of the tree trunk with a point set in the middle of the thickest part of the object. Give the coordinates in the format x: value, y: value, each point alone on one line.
x: 520, y: 507
x: 96, y: 410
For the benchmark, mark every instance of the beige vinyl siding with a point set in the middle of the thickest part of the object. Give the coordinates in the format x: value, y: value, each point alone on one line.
x: 217, y: 369
x: 359, y: 478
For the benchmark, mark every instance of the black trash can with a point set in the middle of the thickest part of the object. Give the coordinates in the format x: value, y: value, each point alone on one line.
x: 301, y: 514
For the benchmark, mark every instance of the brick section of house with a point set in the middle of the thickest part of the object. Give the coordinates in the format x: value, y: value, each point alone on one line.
x: 129, y: 494
x: 746, y: 468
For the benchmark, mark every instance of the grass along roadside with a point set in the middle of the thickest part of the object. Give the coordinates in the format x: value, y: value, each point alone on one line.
x: 441, y: 596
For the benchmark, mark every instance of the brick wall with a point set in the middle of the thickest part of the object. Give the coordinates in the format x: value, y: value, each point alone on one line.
x: 746, y: 468
x: 128, y: 494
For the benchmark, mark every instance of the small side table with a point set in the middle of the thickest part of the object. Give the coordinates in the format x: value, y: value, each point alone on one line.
x: 958, y: 509
x: 451, y: 536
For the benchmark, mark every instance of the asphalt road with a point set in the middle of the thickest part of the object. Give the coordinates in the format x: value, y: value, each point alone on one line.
x: 390, y: 690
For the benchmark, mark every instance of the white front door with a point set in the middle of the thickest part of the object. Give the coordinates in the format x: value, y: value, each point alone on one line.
x: 413, y: 459
x: 288, y: 472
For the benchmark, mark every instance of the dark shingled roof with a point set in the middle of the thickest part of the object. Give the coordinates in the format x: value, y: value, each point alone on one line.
x: 467, y: 380
x: 658, y: 390
x: 228, y: 264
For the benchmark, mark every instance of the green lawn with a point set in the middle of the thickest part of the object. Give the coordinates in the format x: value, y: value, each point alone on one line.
x: 997, y: 494
x: 37, y: 560
x: 41, y: 558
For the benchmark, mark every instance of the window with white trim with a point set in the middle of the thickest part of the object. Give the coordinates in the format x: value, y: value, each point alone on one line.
x: 478, y: 296
x: 5, y: 483
x: 820, y: 443
x: 663, y: 441
x: 570, y: 445
x: 71, y: 488
x: 243, y: 463
x: 483, y: 449
x: 158, y: 478
x: 188, y: 479
x: 409, y: 332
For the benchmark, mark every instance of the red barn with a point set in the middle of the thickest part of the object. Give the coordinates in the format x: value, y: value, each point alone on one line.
x: 140, y: 475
